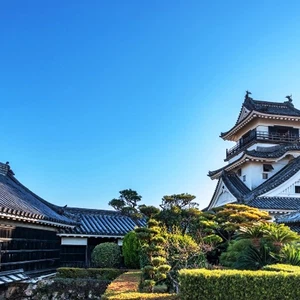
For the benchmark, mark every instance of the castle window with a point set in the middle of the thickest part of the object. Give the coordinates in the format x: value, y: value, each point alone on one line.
x: 244, y: 178
x: 267, y: 168
x: 265, y: 175
x: 239, y: 172
x: 297, y: 189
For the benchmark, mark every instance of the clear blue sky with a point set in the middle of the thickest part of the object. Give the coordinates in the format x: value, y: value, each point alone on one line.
x: 100, y: 96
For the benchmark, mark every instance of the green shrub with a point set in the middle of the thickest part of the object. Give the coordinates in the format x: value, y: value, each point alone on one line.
x: 290, y: 254
x: 107, y: 255
x: 282, y: 267
x: 93, y: 273
x: 131, y: 250
x: 234, y: 250
x: 235, y: 284
x: 253, y: 258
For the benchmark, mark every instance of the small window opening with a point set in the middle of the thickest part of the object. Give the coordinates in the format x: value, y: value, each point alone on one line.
x: 297, y: 189
x: 239, y: 172
x: 267, y: 168
x: 244, y: 178
x: 265, y: 175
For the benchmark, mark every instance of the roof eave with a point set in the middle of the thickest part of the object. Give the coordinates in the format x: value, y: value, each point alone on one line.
x: 81, y: 235
x: 34, y: 220
x: 255, y: 114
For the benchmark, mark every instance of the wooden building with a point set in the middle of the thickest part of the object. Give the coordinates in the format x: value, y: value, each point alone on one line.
x: 263, y: 167
x: 28, y: 227
x: 95, y: 227
x: 36, y: 236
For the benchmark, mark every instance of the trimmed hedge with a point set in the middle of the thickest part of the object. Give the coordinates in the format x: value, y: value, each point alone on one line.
x: 235, y: 284
x: 93, y: 273
x: 282, y: 267
x: 126, y: 287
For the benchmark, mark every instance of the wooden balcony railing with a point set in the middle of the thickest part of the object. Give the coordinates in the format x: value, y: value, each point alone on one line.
x: 261, y: 136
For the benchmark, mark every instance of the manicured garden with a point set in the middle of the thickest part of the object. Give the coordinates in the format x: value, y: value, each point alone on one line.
x: 233, y: 252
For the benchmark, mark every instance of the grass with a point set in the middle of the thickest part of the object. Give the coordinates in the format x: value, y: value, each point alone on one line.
x: 126, y: 287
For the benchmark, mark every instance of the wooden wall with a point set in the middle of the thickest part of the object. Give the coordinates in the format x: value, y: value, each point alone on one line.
x: 28, y: 248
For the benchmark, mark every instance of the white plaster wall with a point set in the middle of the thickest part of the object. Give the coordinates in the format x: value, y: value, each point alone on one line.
x: 222, y: 195
x: 247, y: 171
x: 286, y: 189
x: 74, y: 241
x: 254, y: 171
x: 258, y: 171
x: 235, y: 157
x: 262, y: 128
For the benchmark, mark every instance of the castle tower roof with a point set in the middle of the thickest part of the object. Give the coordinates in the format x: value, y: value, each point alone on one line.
x: 252, y: 109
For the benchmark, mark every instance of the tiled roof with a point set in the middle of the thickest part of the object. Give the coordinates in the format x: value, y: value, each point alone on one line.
x: 274, y: 151
x: 265, y: 107
x: 275, y: 108
x: 292, y: 220
x: 100, y: 222
x: 284, y: 203
x: 295, y: 227
x: 281, y: 176
x: 18, y: 202
x: 7, y: 277
x: 252, y: 198
x: 261, y: 152
x: 235, y: 185
x: 293, y: 217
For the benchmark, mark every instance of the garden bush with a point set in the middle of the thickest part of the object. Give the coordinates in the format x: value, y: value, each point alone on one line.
x: 94, y: 273
x: 234, y: 284
x: 233, y: 252
x: 107, y: 255
x: 289, y: 254
x: 131, y: 250
x: 282, y: 267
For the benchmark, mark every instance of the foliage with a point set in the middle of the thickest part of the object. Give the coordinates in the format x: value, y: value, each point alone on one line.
x: 148, y: 211
x: 267, y: 245
x: 179, y: 211
x: 221, y: 224
x: 153, y: 246
x: 254, y: 258
x: 181, y: 201
x: 126, y: 287
x: 279, y: 234
x: 93, y: 273
x: 127, y: 203
x: 289, y: 254
x: 226, y: 220
x: 254, y: 232
x: 282, y: 267
x: 106, y: 255
x: 235, y: 284
x: 182, y: 252
x: 131, y: 250
x: 233, y: 252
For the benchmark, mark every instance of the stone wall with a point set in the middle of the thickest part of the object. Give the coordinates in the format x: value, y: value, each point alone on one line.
x: 58, y: 289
